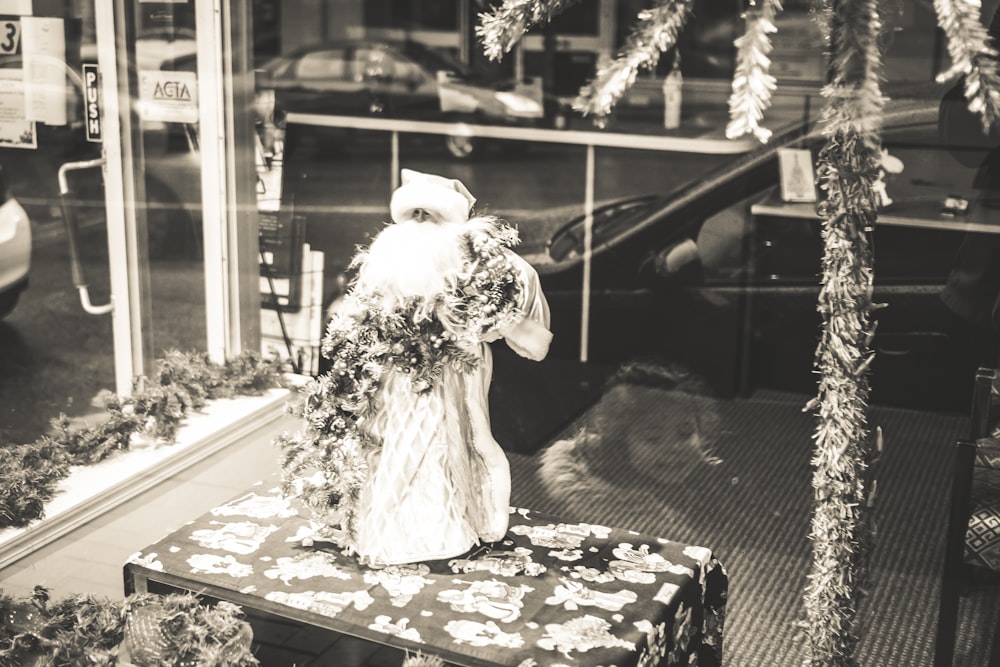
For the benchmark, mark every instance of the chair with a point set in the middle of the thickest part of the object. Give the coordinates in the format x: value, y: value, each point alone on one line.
x: 972, y: 541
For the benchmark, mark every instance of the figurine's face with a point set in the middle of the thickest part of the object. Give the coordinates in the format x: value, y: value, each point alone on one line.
x: 422, y: 215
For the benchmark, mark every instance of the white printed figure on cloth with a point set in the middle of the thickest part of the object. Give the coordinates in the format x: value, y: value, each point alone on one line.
x: 399, y: 427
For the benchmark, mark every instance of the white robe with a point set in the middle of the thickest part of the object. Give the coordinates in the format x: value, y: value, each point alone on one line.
x: 441, y: 483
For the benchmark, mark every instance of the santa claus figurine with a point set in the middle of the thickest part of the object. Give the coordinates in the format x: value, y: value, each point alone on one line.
x: 398, y: 431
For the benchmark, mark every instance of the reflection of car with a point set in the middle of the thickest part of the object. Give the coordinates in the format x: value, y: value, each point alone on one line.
x: 154, y: 47
x: 722, y: 276
x: 15, y: 250
x: 397, y: 79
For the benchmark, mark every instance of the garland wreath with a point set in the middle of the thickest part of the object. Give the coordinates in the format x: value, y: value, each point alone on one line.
x: 327, y: 465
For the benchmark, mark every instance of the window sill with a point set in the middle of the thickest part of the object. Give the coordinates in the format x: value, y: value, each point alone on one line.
x: 90, y: 491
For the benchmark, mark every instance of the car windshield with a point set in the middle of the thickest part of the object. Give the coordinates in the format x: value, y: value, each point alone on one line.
x: 609, y: 222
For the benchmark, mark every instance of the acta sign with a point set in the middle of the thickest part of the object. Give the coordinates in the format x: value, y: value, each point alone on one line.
x: 169, y: 97
x: 172, y: 90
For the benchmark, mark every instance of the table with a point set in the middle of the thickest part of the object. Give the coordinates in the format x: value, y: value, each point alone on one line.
x: 553, y: 592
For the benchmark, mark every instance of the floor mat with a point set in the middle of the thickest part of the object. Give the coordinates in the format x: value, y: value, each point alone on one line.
x: 735, y: 475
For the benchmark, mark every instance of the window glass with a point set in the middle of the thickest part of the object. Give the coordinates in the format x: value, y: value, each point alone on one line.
x: 323, y: 65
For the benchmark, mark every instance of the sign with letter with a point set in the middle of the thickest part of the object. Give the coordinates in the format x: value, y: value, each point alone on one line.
x: 15, y: 130
x: 92, y: 102
x: 43, y: 48
x: 10, y: 36
x: 168, y: 97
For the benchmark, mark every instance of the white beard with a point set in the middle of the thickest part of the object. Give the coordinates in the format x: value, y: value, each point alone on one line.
x: 412, y: 259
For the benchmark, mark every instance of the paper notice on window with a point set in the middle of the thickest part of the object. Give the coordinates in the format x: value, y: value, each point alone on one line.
x: 16, y: 7
x: 15, y: 130
x: 43, y: 43
x: 168, y: 97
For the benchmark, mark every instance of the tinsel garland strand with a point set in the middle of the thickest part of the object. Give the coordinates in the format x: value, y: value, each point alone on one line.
x: 500, y: 29
x: 654, y: 33
x: 974, y: 54
x: 847, y: 170
x: 752, y: 82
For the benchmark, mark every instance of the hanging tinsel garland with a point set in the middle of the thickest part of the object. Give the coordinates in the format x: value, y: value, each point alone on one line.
x: 752, y: 82
x: 973, y: 54
x: 848, y: 168
x: 500, y: 29
x: 655, y: 32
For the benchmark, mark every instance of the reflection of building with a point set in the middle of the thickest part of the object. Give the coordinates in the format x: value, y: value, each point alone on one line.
x: 593, y: 30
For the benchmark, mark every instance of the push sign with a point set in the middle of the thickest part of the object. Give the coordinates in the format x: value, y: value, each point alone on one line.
x: 92, y: 103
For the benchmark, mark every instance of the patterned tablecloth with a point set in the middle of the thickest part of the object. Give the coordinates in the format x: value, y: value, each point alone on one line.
x: 552, y: 593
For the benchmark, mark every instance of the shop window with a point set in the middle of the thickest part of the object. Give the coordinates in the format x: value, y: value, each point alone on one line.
x: 408, y: 14
x: 323, y: 65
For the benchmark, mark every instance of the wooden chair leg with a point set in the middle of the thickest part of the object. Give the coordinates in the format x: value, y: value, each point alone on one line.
x: 952, y: 579
x: 995, y: 650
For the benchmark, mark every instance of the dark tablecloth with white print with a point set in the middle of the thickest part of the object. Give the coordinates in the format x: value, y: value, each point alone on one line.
x: 552, y: 593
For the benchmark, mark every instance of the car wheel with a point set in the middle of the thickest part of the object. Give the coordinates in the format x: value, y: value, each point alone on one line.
x: 460, y: 147
x: 7, y: 302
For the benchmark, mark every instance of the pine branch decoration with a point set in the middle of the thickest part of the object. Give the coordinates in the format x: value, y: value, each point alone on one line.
x: 974, y: 54
x: 502, y: 28
x: 184, y: 381
x: 752, y: 82
x: 655, y: 32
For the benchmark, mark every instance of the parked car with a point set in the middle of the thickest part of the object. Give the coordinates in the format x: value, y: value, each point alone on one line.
x: 400, y: 79
x: 722, y: 275
x: 15, y: 249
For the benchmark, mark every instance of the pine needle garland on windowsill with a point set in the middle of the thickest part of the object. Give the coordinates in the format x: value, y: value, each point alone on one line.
x: 184, y: 382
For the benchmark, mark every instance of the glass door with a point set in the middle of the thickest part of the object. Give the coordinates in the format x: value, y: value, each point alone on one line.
x: 126, y: 144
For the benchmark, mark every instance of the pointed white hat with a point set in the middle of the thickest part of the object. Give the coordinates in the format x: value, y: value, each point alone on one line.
x: 445, y: 199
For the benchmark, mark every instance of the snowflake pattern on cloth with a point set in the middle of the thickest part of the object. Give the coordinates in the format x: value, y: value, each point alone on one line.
x: 581, y: 634
x: 402, y: 582
x: 549, y: 594
x: 572, y: 595
x: 258, y: 507
x: 214, y: 564
x: 241, y: 537
x: 398, y: 628
x: 482, y: 634
x: 306, y: 566
x: 495, y: 599
x: 323, y: 602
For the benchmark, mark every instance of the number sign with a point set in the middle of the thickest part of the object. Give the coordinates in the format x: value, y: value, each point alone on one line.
x: 10, y: 37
